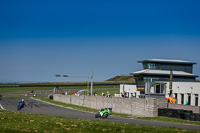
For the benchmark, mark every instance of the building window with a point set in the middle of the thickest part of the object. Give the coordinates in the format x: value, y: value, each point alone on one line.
x: 189, y: 99
x: 196, y: 99
x: 163, y: 86
x: 182, y: 98
x: 152, y: 66
x: 145, y: 66
x: 175, y: 95
x: 156, y: 88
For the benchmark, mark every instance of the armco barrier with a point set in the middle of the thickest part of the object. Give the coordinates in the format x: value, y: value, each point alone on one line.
x: 136, y: 107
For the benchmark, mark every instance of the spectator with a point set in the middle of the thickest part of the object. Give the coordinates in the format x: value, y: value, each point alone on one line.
x: 125, y: 94
x: 103, y: 94
x: 66, y: 93
x: 122, y: 95
x: 107, y: 94
x: 186, y: 102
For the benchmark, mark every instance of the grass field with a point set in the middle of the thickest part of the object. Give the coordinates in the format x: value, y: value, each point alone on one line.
x: 45, y: 88
x: 9, y: 91
x: 17, y: 122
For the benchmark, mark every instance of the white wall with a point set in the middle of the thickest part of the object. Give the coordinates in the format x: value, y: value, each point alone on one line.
x: 185, y: 88
x: 129, y: 88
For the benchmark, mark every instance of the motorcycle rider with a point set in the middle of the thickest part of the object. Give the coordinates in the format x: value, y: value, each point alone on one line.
x: 21, y: 104
x: 104, y: 113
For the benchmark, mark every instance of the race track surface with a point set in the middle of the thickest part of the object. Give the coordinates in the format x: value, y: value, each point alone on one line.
x: 39, y: 107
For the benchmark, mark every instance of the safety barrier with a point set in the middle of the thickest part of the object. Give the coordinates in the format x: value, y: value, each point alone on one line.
x: 179, y: 113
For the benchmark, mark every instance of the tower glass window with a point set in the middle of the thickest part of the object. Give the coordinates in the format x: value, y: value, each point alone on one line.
x: 152, y: 66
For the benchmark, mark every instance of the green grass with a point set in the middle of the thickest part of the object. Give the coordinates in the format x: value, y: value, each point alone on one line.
x: 129, y: 79
x: 44, y: 88
x: 14, y: 95
x: 65, y: 83
x: 168, y: 119
x: 70, y: 89
x: 17, y: 122
x: 22, y: 89
x: 165, y: 119
x: 112, y: 92
x: 97, y: 89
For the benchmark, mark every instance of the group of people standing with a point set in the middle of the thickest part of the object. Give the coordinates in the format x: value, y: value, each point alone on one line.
x: 107, y: 94
x: 123, y: 95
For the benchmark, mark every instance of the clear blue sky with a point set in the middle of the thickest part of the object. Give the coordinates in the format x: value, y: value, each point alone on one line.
x: 39, y: 39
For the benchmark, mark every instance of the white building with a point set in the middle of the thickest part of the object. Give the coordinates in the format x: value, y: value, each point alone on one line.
x: 154, y: 81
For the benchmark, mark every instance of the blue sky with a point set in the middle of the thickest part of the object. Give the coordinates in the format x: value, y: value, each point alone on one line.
x: 39, y: 39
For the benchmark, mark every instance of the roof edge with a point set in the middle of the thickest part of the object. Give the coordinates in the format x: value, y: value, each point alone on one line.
x: 167, y: 61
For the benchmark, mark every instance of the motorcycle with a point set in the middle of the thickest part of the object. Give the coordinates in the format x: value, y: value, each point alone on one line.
x: 21, y: 105
x: 104, y: 113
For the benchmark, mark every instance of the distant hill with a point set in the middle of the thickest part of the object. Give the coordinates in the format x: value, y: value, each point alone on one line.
x: 129, y: 79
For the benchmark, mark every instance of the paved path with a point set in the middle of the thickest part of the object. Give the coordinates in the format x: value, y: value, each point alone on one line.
x: 38, y: 107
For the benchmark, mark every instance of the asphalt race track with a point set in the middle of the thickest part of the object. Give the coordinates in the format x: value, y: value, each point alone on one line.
x: 38, y: 107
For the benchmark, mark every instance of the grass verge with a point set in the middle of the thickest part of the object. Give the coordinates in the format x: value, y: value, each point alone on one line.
x: 45, y: 88
x: 171, y: 120
x: 19, y: 122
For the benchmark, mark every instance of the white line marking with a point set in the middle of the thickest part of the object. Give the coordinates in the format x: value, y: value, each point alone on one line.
x: 2, y: 107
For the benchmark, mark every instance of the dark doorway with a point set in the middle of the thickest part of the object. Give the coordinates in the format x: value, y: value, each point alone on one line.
x: 175, y: 95
x: 157, y: 88
x: 182, y: 98
x: 196, y: 100
x: 189, y: 99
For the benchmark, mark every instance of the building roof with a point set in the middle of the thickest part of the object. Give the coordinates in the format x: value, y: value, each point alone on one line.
x: 167, y: 61
x: 162, y: 72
